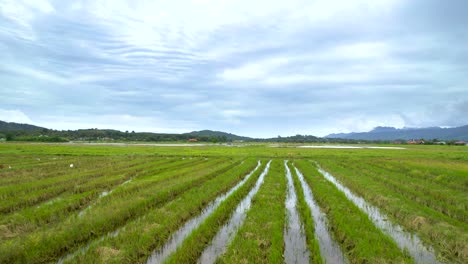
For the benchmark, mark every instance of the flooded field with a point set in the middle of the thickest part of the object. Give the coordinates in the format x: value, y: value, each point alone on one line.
x: 308, y: 205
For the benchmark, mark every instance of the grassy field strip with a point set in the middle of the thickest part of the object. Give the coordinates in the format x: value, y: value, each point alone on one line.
x: 103, y: 194
x: 70, y: 184
x: 30, y: 162
x: 193, y: 246
x: 360, y: 240
x: 59, y: 168
x: 295, y: 249
x: 450, y: 202
x: 406, y: 241
x: 446, y: 173
x: 329, y: 249
x: 140, y: 237
x: 73, y: 174
x: 94, y: 167
x: 59, y: 207
x: 54, y: 169
x: 228, y: 231
x: 106, y: 216
x: 9, y: 170
x: 447, y: 235
x: 166, y: 193
x: 158, y: 256
x: 156, y: 175
x: 260, y: 238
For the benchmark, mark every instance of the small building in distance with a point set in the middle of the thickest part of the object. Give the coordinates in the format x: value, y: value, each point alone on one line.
x: 415, y: 142
x: 460, y: 143
x: 193, y: 140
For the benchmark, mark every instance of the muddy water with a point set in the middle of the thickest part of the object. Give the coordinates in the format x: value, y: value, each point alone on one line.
x: 329, y: 248
x: 227, y: 232
x: 295, y: 250
x: 178, y: 237
x: 406, y: 241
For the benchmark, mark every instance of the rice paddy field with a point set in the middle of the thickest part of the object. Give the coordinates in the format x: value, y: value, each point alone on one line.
x: 78, y: 203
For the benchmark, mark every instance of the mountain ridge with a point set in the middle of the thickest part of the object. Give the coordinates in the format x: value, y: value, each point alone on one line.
x: 392, y: 133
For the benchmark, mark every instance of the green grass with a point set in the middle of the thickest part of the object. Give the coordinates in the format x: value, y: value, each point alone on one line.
x: 306, y: 218
x: 193, y: 246
x: 112, y: 212
x: 422, y: 188
x: 360, y: 240
x: 150, y: 232
x: 260, y: 239
x: 80, y: 196
x: 435, y: 212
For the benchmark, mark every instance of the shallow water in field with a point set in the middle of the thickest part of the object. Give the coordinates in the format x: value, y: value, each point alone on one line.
x: 330, y: 250
x: 87, y: 246
x: 103, y: 194
x: 228, y: 231
x: 178, y: 237
x: 295, y: 249
x: 406, y: 241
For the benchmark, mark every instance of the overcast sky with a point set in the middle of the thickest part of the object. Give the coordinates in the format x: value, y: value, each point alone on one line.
x: 254, y: 68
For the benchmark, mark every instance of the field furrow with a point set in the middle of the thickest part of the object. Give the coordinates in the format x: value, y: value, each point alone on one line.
x: 360, y: 240
x: 105, y: 216
x: 260, y: 238
x: 198, y: 242
x: 447, y: 235
x: 295, y: 249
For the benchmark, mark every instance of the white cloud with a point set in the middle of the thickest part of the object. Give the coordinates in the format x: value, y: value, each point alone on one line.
x: 16, y: 116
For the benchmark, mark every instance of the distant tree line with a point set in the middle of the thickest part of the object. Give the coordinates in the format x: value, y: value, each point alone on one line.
x: 109, y: 135
x: 49, y: 135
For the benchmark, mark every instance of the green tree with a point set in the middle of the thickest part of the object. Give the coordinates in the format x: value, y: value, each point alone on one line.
x: 9, y: 137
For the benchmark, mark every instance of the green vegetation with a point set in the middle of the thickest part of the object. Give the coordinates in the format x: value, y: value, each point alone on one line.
x: 426, y: 197
x: 260, y: 239
x: 139, y: 238
x: 361, y: 241
x: 306, y: 218
x: 194, y: 244
x: 146, y: 193
x: 117, y: 204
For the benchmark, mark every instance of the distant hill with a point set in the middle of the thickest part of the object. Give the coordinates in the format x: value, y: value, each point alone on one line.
x: 6, y: 126
x: 391, y: 133
x: 25, y: 132
x: 217, y: 134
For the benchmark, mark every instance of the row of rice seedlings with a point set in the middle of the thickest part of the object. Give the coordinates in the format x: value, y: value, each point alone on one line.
x: 67, y: 173
x: 260, y: 239
x: 295, y: 245
x: 448, y: 236
x: 39, y: 191
x: 149, y: 180
x: 451, y: 174
x: 60, y: 207
x: 306, y: 219
x: 58, y: 168
x: 139, y: 238
x: 12, y: 163
x: 192, y: 247
x: 360, y: 239
x: 102, y: 218
x: 62, y: 167
x: 87, y: 187
x: 450, y: 202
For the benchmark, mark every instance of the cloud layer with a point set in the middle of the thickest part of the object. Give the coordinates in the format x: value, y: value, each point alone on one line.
x: 256, y: 68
